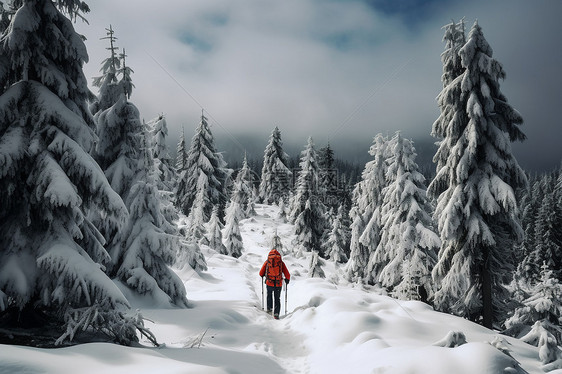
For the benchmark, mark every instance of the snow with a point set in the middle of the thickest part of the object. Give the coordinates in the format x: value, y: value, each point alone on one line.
x: 330, y: 326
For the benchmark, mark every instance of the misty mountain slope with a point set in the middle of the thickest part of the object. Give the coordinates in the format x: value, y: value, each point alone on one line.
x: 330, y: 326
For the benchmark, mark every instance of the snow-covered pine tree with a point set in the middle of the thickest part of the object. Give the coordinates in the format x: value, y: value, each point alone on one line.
x: 119, y: 130
x: 51, y: 255
x: 189, y: 254
x: 315, y: 267
x: 109, y: 88
x: 197, y: 230
x: 408, y: 244
x: 365, y: 214
x: 282, y: 210
x: 142, y: 251
x: 276, y: 242
x: 530, y: 203
x: 542, y: 310
x: 524, y: 199
x: 244, y: 189
x: 328, y: 176
x: 238, y: 196
x: 451, y: 106
x: 126, y: 80
x: 214, y: 233
x: 202, y: 159
x: 161, y: 154
x: 547, y: 235
x: 454, y: 39
x: 344, y: 194
x: 181, y: 156
x: 474, y: 186
x: 307, y: 209
x: 343, y: 216
x: 233, y: 238
x: 276, y: 178
x: 251, y: 205
x: 326, y: 157
x: 166, y: 173
x: 338, y: 237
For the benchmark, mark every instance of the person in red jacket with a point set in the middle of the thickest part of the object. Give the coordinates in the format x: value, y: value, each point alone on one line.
x: 274, y: 269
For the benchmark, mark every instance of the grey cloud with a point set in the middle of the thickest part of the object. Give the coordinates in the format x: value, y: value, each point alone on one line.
x: 340, y: 71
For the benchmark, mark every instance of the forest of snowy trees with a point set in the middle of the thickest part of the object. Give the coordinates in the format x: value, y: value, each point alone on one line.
x: 91, y: 198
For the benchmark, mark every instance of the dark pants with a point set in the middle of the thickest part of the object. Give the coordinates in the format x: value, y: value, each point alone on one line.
x: 274, y: 292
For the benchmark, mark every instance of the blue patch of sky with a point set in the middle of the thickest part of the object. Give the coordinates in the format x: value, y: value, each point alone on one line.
x: 198, y: 41
x: 412, y: 12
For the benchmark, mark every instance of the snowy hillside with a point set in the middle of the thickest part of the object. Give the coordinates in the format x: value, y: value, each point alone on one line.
x: 330, y: 326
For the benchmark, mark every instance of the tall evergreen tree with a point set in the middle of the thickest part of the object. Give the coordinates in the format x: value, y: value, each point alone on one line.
x: 338, y: 238
x: 142, y: 251
x: 203, y: 162
x: 408, y: 244
x: 166, y: 174
x: 365, y: 214
x: 181, y: 156
x: 328, y: 175
x: 163, y: 162
x: 233, y: 238
x: 119, y: 130
x: 214, y: 232
x: 244, y: 185
x: 126, y: 81
x: 454, y: 39
x: 197, y: 231
x: 453, y: 114
x: 474, y: 186
x: 326, y: 157
x: 546, y: 244
x: 51, y: 255
x: 109, y: 88
x: 525, y: 198
x: 276, y: 178
x: 530, y: 204
x: 238, y: 196
x: 345, y: 192
x: 307, y: 210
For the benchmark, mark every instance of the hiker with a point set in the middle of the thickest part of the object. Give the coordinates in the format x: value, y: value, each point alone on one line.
x: 273, y: 269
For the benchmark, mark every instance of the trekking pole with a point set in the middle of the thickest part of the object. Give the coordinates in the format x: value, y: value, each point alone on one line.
x: 262, y: 308
x: 286, y: 289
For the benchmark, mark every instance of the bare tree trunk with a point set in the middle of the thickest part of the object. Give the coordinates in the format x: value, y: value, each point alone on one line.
x: 487, y: 309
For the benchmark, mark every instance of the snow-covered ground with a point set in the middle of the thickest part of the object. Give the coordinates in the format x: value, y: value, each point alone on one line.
x: 330, y: 326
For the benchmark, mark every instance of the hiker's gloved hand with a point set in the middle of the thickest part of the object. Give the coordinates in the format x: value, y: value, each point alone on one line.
x: 287, y: 281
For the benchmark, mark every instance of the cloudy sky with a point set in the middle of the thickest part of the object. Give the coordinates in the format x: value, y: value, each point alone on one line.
x: 339, y: 71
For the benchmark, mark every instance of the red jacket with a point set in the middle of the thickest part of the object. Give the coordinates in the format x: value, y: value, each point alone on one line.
x: 283, y: 269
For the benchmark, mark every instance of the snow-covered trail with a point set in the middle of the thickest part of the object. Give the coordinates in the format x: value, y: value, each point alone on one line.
x: 227, y: 301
